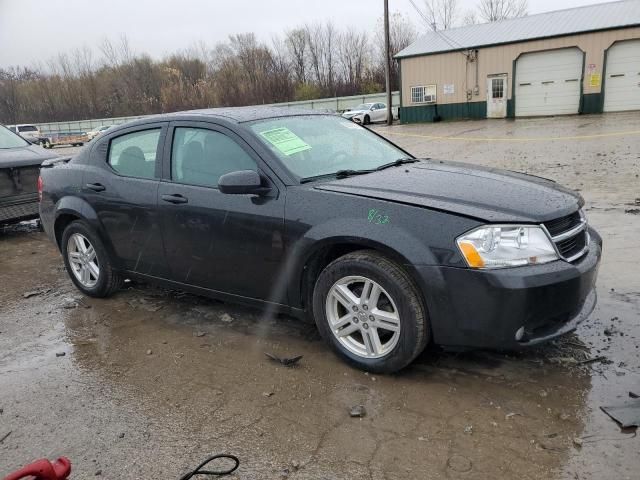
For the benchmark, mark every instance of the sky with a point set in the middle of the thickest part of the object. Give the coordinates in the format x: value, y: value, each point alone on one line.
x: 33, y: 31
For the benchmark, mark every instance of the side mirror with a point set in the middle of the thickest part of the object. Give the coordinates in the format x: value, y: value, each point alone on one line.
x: 242, y: 182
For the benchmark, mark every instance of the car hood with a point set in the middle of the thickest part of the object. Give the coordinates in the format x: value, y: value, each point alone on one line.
x: 351, y: 113
x: 24, y: 156
x: 487, y: 194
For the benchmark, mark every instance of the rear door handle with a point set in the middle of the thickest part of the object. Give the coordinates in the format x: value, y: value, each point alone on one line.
x: 96, y: 187
x: 175, y: 198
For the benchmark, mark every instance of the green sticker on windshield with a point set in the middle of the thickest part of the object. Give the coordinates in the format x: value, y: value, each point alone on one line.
x: 285, y: 140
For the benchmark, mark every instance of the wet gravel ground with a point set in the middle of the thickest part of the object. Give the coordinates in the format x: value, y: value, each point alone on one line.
x: 147, y: 383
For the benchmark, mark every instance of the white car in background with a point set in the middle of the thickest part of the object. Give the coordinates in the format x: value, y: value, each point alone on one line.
x: 367, y: 113
x: 98, y: 131
x: 27, y: 131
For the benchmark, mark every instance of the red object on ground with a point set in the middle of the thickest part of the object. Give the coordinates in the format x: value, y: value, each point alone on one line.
x: 44, y: 470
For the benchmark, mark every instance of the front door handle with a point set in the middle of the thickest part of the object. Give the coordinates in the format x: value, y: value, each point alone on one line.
x: 175, y: 198
x: 96, y: 187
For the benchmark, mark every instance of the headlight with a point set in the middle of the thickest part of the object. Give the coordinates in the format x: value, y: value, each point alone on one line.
x: 506, y: 246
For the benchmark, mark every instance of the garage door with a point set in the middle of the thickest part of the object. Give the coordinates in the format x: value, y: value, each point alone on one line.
x: 548, y: 83
x: 622, y: 82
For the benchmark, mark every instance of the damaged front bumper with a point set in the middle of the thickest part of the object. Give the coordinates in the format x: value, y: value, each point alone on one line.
x: 512, y: 307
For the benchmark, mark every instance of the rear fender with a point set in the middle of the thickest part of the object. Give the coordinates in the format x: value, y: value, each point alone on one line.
x: 81, y: 209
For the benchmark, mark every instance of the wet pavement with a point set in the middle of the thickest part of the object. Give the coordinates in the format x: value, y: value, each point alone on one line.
x: 149, y: 382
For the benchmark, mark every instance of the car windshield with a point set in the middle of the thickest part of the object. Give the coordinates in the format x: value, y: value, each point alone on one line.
x: 8, y: 139
x: 364, y: 106
x: 317, y: 145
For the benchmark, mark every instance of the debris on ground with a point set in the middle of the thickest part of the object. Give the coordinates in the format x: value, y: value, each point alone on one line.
x: 200, y: 334
x: 468, y: 429
x: 225, y: 317
x: 631, y: 394
x: 601, y: 358
x: 34, y: 293
x: 267, y: 394
x: 511, y: 415
x: 460, y: 464
x: 287, y: 362
x: 632, y: 211
x: 149, y: 352
x: 5, y: 436
x: 627, y: 415
x: 577, y: 442
x: 357, y: 411
x: 60, y: 354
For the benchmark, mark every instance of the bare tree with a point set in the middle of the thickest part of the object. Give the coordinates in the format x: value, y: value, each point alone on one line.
x: 353, y: 51
x: 321, y: 40
x: 441, y: 14
x: 494, y: 10
x: 297, y: 45
x: 470, y: 18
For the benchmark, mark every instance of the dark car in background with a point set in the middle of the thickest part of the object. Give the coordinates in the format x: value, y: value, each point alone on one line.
x: 19, y: 168
x: 316, y: 216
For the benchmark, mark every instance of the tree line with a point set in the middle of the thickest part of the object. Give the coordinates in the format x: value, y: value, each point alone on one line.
x: 307, y: 62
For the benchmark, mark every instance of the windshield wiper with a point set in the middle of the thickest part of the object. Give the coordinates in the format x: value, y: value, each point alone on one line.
x: 395, y: 163
x: 350, y: 172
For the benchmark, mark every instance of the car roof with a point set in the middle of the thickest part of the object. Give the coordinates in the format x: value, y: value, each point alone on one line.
x: 250, y: 114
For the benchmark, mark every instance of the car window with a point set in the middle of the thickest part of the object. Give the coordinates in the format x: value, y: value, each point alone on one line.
x: 134, y: 154
x: 201, y: 157
x: 8, y: 139
x: 27, y: 128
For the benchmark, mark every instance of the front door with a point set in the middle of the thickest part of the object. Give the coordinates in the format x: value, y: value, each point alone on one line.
x: 497, y: 96
x: 228, y: 243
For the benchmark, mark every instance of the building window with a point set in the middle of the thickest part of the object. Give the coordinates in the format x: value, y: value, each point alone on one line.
x: 423, y: 94
x: 497, y: 88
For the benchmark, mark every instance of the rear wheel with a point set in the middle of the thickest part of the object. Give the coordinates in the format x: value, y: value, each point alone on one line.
x: 368, y: 309
x: 87, y: 261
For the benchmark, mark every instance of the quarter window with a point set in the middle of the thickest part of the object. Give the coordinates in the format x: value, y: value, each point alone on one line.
x: 201, y: 157
x: 134, y: 154
x: 423, y: 94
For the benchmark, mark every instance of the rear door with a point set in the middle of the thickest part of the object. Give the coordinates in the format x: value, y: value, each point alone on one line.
x: 222, y: 242
x: 121, y: 184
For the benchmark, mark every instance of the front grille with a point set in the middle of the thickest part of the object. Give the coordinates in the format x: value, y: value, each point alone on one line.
x: 559, y: 225
x: 569, y: 234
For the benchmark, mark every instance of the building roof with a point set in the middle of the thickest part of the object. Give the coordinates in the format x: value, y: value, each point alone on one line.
x: 602, y: 16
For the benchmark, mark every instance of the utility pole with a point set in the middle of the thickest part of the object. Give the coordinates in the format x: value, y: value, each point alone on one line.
x: 387, y: 63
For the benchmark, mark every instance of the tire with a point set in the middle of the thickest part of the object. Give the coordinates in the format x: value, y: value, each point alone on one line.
x: 107, y: 281
x: 403, y: 332
x: 366, y: 120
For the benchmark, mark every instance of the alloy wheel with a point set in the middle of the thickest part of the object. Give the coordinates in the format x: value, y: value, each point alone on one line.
x: 83, y: 260
x: 363, y: 317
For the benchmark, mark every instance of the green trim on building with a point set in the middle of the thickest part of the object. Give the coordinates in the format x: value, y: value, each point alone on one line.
x: 511, y: 108
x: 445, y: 111
x: 592, y: 103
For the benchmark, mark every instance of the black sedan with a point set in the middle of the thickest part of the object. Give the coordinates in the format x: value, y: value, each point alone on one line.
x: 19, y: 167
x: 316, y: 216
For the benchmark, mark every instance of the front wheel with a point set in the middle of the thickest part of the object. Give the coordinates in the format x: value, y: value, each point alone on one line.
x: 369, y: 311
x: 87, y: 261
x: 367, y: 120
